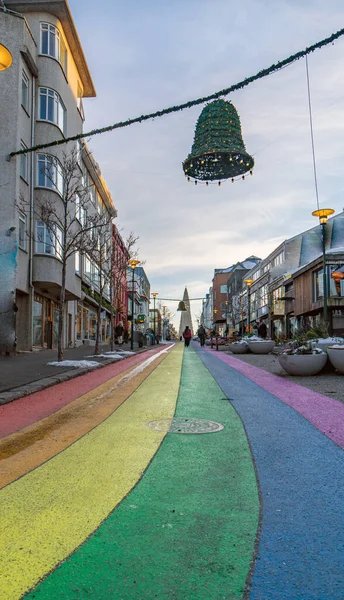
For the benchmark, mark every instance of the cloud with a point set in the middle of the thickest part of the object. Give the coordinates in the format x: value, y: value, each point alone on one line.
x: 151, y: 55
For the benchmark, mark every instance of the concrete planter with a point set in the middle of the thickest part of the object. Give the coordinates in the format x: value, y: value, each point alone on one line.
x: 302, y: 365
x: 238, y: 348
x: 323, y: 344
x: 336, y: 356
x: 261, y: 347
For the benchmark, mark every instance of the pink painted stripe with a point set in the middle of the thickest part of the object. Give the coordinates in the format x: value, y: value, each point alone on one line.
x: 30, y: 409
x: 326, y: 414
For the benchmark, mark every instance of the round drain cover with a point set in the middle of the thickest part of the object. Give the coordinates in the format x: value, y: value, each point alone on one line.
x: 185, y: 425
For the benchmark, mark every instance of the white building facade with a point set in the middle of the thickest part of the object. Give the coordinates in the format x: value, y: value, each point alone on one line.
x: 41, y: 96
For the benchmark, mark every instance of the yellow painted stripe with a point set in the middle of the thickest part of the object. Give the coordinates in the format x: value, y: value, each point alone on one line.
x: 27, y: 449
x: 48, y: 513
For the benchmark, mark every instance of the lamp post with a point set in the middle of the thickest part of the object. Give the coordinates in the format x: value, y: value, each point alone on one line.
x: 5, y: 58
x: 133, y: 264
x: 248, y: 283
x: 323, y: 214
x: 154, y: 294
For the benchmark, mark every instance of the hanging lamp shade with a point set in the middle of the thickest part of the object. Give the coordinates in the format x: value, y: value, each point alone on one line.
x: 218, y: 151
x: 181, y: 306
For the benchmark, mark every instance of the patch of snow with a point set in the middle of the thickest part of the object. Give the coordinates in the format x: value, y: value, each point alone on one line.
x: 80, y: 364
x: 106, y: 355
x: 125, y: 352
x: 341, y: 346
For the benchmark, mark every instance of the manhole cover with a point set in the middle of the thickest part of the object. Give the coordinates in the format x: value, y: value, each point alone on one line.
x: 184, y: 425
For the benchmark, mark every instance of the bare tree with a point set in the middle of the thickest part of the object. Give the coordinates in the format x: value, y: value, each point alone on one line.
x: 112, y: 265
x: 68, y: 223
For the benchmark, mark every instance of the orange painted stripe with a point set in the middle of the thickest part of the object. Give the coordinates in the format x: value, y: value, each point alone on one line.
x: 25, y: 450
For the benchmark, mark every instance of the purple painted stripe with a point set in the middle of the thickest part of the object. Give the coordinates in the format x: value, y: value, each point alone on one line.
x: 326, y: 414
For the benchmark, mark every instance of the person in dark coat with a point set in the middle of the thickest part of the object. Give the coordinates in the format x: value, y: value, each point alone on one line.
x: 187, y: 336
x: 119, y: 332
x: 201, y: 334
x: 262, y: 330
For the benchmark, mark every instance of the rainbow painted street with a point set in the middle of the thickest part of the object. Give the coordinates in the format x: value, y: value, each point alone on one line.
x: 175, y: 474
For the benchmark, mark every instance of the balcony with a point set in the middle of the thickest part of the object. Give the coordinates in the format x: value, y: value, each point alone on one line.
x: 47, y: 276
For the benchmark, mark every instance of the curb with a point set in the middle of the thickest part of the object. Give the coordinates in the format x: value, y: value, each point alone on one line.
x: 42, y: 384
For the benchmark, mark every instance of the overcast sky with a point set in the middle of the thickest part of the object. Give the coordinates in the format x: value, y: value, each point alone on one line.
x: 145, y: 55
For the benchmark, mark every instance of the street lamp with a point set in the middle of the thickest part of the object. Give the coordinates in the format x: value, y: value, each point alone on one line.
x: 215, y: 311
x: 154, y: 294
x: 323, y: 214
x: 249, y: 283
x: 5, y: 58
x: 133, y: 264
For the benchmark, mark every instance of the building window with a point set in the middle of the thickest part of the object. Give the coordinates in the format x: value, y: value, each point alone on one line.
x: 77, y: 262
x: 22, y: 231
x: 223, y: 289
x: 50, y: 41
x: 80, y: 211
x: 318, y: 285
x: 48, y: 241
x: 63, y: 55
x: 25, y: 91
x: 51, y: 108
x: 337, y: 281
x: 23, y: 162
x: 49, y: 173
x: 279, y: 259
x: 79, y: 101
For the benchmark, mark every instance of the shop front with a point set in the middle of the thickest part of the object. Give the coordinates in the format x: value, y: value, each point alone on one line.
x: 86, y: 324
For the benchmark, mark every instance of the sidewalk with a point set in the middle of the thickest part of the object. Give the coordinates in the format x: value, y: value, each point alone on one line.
x: 29, y: 372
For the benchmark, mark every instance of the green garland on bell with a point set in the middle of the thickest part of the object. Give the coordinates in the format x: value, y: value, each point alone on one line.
x: 218, y: 151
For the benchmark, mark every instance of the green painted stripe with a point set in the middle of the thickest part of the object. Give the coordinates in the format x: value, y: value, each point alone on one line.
x: 187, y: 531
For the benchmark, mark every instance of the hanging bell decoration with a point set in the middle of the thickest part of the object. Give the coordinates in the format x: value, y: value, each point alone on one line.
x: 218, y: 151
x: 181, y: 306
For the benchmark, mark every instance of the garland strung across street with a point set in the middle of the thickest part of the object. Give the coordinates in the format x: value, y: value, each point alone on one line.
x: 160, y: 113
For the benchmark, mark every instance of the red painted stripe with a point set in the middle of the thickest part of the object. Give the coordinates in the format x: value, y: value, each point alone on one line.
x: 29, y: 409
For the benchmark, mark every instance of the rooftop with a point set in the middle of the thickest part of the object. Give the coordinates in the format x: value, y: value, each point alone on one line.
x: 60, y: 10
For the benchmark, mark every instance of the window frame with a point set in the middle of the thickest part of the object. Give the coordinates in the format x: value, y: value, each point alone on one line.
x: 25, y: 84
x: 51, y: 240
x: 22, y: 219
x: 23, y: 162
x: 54, y: 184
x: 59, y: 109
x: 51, y: 29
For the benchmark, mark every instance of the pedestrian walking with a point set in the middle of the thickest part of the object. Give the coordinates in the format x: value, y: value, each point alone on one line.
x: 262, y: 330
x: 187, y: 336
x: 201, y: 334
x: 119, y: 329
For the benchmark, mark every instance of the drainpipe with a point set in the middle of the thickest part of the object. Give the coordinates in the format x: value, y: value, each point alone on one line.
x: 31, y: 218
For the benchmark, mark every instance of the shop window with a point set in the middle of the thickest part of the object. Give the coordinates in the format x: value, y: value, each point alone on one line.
x: 337, y: 281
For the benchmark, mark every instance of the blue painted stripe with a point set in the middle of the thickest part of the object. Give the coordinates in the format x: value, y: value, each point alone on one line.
x: 300, y: 472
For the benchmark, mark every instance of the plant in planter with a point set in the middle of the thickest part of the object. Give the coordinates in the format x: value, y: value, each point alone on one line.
x: 302, y: 358
x: 238, y: 347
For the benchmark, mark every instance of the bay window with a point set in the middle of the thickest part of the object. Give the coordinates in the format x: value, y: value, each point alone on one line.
x: 51, y: 108
x: 49, y: 173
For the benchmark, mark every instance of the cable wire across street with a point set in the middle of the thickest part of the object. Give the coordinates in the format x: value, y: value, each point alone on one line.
x: 160, y: 113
